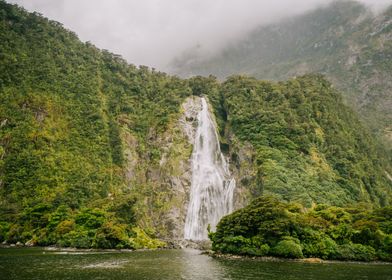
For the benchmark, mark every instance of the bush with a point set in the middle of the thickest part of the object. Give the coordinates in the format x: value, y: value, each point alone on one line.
x: 387, y: 244
x: 323, y: 248
x: 90, y: 218
x: 4, y: 228
x: 110, y: 235
x: 251, y: 250
x: 62, y: 213
x: 142, y: 240
x: 123, y: 208
x: 288, y: 249
x: 355, y: 252
x: 235, y: 245
x: 77, y: 239
x: 263, y: 250
x: 65, y: 227
x: 317, y: 244
x: 14, y: 233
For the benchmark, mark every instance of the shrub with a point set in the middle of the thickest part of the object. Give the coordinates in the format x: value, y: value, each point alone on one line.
x: 315, y: 243
x: 110, y: 235
x: 14, y: 233
x: 263, y: 250
x: 324, y: 247
x: 142, y: 240
x: 90, y: 218
x: 355, y: 252
x: 123, y: 208
x: 236, y: 245
x: 61, y: 214
x: 4, y: 228
x: 288, y: 249
x: 77, y: 239
x: 65, y: 226
x: 252, y: 250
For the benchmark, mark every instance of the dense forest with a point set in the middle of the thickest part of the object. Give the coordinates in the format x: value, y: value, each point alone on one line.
x: 92, y: 153
x: 62, y: 104
x: 268, y: 227
x: 307, y: 146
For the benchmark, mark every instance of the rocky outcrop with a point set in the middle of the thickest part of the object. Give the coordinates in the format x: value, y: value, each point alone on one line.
x: 175, y: 168
x: 162, y: 183
x: 243, y: 168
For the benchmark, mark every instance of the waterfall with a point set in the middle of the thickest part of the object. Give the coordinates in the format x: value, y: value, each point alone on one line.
x: 212, y: 186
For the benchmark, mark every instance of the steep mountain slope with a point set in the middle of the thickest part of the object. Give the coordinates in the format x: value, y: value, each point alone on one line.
x: 344, y: 41
x: 306, y: 145
x: 73, y: 120
x: 94, y: 152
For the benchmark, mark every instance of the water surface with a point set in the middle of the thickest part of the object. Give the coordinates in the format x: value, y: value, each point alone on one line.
x: 36, y: 263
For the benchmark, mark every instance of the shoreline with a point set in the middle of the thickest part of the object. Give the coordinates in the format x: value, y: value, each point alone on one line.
x: 204, y: 245
x: 73, y: 249
x: 208, y: 253
x: 276, y: 259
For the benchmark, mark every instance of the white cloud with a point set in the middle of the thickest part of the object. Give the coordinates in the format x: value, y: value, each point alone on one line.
x: 152, y: 32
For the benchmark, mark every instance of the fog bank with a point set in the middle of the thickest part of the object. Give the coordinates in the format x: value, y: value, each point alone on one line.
x: 153, y: 32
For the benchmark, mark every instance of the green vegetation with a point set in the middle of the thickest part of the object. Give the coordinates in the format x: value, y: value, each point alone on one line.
x: 65, y: 107
x: 268, y: 227
x: 344, y: 41
x: 81, y: 228
x: 308, y: 147
x: 92, y: 153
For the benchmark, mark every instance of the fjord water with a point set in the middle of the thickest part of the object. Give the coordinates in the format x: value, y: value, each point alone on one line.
x: 37, y: 263
x: 212, y: 186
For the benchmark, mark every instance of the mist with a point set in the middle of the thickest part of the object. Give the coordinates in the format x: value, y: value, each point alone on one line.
x: 154, y: 32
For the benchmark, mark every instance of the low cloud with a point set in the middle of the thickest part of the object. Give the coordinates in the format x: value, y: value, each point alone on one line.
x: 153, y: 32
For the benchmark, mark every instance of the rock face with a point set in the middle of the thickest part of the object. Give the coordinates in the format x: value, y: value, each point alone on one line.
x: 175, y: 165
x: 243, y: 169
x: 179, y: 176
x: 163, y: 185
x: 188, y: 120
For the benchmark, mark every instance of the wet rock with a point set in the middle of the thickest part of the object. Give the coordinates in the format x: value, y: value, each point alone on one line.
x: 312, y: 260
x: 130, y: 154
x: 173, y: 244
x: 188, y: 121
x: 30, y: 243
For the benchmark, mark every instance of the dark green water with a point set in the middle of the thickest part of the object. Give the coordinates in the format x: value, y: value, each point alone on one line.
x: 36, y: 263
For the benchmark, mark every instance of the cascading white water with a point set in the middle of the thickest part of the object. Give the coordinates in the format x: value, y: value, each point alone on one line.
x: 212, y: 186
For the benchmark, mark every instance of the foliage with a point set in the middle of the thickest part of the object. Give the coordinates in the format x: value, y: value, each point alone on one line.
x: 83, y: 135
x: 287, y: 249
x: 326, y: 232
x: 64, y: 109
x: 142, y: 240
x: 308, y: 147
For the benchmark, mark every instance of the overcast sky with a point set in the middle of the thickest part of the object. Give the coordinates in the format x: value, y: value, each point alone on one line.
x: 153, y: 32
